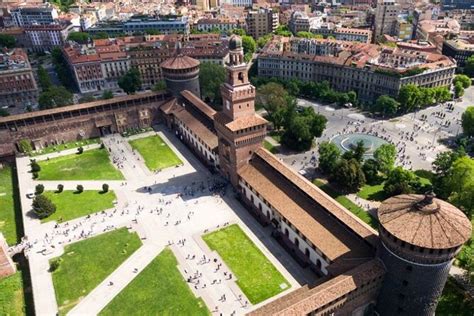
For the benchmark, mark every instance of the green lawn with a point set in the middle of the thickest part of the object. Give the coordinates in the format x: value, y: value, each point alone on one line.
x: 12, y: 301
x: 90, y: 165
x: 376, y: 193
x: 158, y: 290
x: 372, y: 192
x: 71, y: 204
x: 257, y: 277
x: 348, y: 204
x: 453, y: 302
x: 9, y: 205
x: 87, y: 263
x: 68, y: 145
x: 270, y: 147
x: 156, y: 153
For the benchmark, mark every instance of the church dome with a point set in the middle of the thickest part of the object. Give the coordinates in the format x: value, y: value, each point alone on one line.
x: 235, y: 42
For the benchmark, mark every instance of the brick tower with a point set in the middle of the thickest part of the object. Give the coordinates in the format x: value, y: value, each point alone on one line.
x: 239, y: 130
x: 419, y: 237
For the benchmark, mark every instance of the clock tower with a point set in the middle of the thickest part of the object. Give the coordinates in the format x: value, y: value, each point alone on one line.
x: 240, y: 130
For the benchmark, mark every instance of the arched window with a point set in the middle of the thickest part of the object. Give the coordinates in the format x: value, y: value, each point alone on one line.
x: 287, y: 233
x: 297, y: 242
x: 318, y: 263
x: 306, y: 252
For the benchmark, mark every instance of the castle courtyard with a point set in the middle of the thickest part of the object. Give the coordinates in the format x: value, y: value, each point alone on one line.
x: 168, y: 209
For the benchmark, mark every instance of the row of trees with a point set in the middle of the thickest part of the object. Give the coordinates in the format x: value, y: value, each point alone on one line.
x: 320, y: 91
x: 410, y: 98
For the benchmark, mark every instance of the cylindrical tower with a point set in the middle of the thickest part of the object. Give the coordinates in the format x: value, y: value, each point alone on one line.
x: 181, y: 73
x: 420, y: 235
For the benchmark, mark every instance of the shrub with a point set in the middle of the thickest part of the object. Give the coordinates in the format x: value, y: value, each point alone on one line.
x: 35, y: 175
x: 102, y: 145
x: 35, y: 167
x: 80, y: 150
x: 24, y: 146
x: 54, y: 265
x: 60, y: 188
x: 43, y: 207
x: 79, y: 188
x: 105, y: 188
x: 39, y: 189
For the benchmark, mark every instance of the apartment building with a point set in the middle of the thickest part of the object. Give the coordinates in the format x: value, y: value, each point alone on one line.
x: 18, y: 88
x: 369, y: 70
x: 261, y: 22
x: 96, y: 68
x: 386, y: 15
x: 459, y: 49
x: 33, y: 15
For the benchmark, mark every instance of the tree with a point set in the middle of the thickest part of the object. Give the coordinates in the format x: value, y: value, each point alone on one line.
x: 371, y: 171
x: 460, y: 182
x: 105, y: 188
x: 130, y: 82
x: 159, y: 86
x: 348, y: 175
x: 62, y: 68
x: 442, y: 167
x: 273, y: 98
x: 107, y: 95
x: 39, y: 189
x: 458, y: 90
x: 386, y: 105
x: 283, y: 30
x: 304, y: 34
x: 263, y: 40
x: 357, y: 152
x: 409, y: 97
x: 300, y: 128
x: 43, y: 207
x: 43, y: 78
x: 55, y: 96
x: 249, y: 46
x: 7, y: 41
x: 24, y: 146
x: 467, y: 120
x: 35, y: 167
x: 79, y: 188
x: 464, y: 80
x: 469, y: 67
x: 79, y: 37
x: 60, y: 188
x: 329, y: 155
x: 211, y: 77
x: 399, y: 181
x: 385, y: 156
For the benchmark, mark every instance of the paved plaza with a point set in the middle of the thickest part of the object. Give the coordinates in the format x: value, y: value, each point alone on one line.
x: 172, y: 208
x: 418, y: 141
